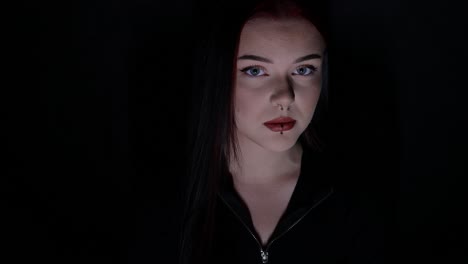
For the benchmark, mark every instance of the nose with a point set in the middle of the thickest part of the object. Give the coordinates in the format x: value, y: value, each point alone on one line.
x: 283, y: 95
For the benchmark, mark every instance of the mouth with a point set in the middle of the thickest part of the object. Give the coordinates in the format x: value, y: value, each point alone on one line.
x: 280, y: 124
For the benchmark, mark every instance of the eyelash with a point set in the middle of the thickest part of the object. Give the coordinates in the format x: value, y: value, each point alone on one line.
x: 312, y: 68
x: 244, y: 70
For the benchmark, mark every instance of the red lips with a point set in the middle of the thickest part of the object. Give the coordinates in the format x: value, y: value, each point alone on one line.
x: 280, y: 124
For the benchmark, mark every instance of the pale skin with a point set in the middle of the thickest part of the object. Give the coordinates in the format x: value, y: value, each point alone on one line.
x: 281, y: 79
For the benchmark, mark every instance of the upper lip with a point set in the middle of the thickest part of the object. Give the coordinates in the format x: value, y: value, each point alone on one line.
x: 281, y: 119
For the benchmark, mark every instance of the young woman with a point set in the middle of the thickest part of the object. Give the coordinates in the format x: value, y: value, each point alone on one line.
x: 259, y: 187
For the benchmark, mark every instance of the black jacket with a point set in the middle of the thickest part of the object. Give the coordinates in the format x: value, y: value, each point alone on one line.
x: 322, y: 224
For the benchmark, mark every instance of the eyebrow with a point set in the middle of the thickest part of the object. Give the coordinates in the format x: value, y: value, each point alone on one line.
x: 308, y: 57
x: 254, y: 57
x: 259, y: 58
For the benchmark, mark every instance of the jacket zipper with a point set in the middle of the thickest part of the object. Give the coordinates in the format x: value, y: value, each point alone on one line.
x: 264, y: 251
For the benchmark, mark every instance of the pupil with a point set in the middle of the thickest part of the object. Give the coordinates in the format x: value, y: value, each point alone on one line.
x: 255, y: 71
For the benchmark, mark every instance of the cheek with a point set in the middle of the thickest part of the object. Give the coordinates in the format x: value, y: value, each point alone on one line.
x: 308, y: 98
x: 247, y: 99
x: 244, y: 103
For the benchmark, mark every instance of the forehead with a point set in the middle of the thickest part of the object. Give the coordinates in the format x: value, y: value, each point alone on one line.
x: 277, y: 36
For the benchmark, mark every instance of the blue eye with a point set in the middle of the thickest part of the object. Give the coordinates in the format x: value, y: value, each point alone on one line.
x: 305, y: 70
x: 254, y: 71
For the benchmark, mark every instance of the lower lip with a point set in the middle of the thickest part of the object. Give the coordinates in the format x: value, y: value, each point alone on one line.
x: 278, y: 127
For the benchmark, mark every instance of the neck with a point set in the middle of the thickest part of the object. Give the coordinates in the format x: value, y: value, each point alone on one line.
x: 259, y: 166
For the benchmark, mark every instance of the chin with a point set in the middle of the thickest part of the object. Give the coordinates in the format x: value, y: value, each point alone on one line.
x: 280, y: 143
x: 268, y: 140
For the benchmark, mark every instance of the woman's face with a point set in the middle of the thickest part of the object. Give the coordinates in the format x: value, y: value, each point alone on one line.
x: 278, y: 76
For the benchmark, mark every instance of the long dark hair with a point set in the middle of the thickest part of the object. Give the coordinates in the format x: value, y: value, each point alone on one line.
x: 212, y: 141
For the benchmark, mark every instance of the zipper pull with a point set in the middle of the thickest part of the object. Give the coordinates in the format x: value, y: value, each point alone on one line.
x: 264, y: 256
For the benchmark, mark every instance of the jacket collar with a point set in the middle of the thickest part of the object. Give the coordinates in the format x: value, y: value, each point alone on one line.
x: 313, y: 187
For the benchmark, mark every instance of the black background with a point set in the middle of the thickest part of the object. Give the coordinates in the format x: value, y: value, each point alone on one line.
x: 96, y: 115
